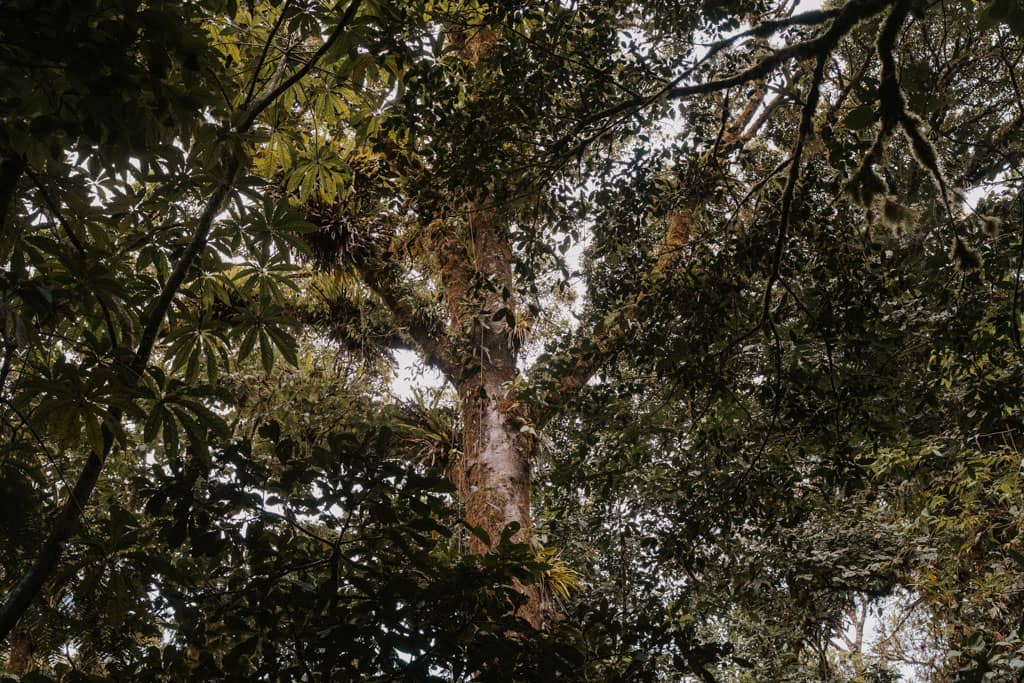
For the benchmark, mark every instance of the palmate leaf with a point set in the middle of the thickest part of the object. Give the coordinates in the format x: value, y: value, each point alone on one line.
x: 180, y: 405
x: 271, y: 331
x: 285, y: 344
x: 272, y: 226
x: 194, y: 346
x: 153, y: 424
x: 266, y: 275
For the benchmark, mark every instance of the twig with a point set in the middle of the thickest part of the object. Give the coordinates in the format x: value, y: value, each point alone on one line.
x: 263, y: 53
x: 806, y: 124
x: 273, y: 93
x: 1016, y: 283
x: 79, y: 247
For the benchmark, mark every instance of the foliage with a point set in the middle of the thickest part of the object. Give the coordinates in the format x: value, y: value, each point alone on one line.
x: 760, y: 293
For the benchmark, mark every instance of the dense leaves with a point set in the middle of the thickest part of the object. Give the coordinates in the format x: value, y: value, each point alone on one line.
x: 757, y: 275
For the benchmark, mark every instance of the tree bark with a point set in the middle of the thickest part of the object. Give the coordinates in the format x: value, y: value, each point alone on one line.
x: 492, y: 475
x: 19, y: 657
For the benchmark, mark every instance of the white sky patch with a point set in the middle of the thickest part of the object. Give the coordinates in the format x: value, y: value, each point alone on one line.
x: 411, y: 374
x: 807, y: 5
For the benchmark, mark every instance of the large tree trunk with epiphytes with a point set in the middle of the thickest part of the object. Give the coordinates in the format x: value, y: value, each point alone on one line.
x: 475, y: 346
x: 492, y: 475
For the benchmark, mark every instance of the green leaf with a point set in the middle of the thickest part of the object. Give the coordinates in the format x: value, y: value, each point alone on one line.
x: 266, y: 351
x: 248, y: 342
x: 151, y: 428
x: 285, y: 343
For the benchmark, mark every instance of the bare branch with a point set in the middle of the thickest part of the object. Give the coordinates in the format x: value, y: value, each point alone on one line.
x: 263, y: 53
x: 806, y: 124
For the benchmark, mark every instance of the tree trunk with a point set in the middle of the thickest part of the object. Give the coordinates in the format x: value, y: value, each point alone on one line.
x: 19, y: 657
x: 492, y: 476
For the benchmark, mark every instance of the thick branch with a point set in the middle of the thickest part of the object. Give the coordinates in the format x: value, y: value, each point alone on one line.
x: 851, y: 14
x: 383, y: 275
x: 843, y: 21
x: 71, y: 512
x: 763, y: 30
x: 737, y: 129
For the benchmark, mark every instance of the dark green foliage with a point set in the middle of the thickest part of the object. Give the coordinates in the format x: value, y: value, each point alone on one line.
x: 816, y: 408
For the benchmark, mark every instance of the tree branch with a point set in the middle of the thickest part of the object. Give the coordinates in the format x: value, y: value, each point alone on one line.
x: 383, y: 275
x: 806, y: 124
x: 843, y: 21
x: 575, y: 368
x: 263, y: 53
x: 273, y: 92
x: 69, y: 517
x: 847, y: 18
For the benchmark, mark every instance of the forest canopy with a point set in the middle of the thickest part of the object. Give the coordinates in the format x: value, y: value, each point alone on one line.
x: 714, y: 312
